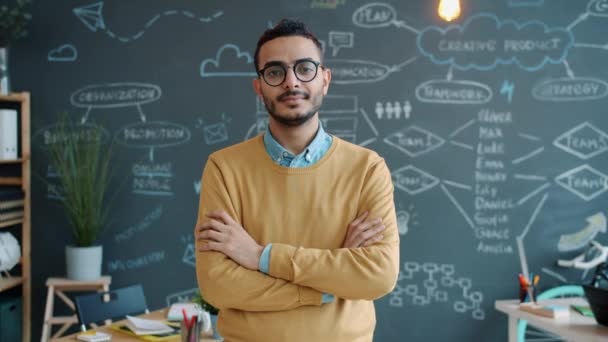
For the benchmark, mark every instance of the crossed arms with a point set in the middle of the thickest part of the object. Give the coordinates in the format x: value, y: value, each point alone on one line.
x: 228, y: 276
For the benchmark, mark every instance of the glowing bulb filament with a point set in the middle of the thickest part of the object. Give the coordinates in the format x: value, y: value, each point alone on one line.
x: 449, y: 9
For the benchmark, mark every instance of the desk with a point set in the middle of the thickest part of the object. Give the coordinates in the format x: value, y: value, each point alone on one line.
x: 575, y: 328
x: 117, y: 336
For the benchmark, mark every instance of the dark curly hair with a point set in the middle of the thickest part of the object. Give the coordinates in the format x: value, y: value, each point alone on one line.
x: 286, y: 28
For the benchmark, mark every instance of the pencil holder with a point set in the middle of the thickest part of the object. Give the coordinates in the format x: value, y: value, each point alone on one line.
x: 524, y: 294
x: 191, y: 331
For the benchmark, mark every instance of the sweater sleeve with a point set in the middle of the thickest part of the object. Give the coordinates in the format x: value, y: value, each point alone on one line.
x: 226, y: 284
x: 350, y: 273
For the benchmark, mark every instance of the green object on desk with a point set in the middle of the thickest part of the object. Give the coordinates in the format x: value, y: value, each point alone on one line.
x: 583, y: 310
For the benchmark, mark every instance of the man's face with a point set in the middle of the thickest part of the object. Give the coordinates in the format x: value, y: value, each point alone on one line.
x: 293, y: 102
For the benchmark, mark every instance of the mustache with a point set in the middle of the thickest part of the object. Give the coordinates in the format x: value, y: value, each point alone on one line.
x: 293, y: 93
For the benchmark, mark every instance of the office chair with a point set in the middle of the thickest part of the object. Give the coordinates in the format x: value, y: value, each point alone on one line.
x: 113, y: 305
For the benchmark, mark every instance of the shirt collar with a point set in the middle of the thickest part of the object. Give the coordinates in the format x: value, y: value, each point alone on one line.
x: 277, y: 152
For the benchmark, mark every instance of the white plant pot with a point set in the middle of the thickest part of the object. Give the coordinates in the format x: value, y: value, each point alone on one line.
x: 83, y: 263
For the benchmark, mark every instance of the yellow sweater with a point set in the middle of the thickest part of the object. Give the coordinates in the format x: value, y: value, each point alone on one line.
x: 304, y: 213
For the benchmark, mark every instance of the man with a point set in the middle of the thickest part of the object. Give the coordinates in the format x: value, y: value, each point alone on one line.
x: 285, y: 248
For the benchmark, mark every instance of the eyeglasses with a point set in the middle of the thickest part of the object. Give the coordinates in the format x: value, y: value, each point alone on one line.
x: 275, y: 73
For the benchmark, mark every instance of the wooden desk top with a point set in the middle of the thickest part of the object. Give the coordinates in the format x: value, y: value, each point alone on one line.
x: 117, y: 336
x: 104, y: 280
x: 574, y: 328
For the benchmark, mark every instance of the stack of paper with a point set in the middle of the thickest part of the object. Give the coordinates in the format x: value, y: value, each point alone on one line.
x: 94, y: 336
x: 142, y: 326
x: 11, y: 204
x: 175, y: 312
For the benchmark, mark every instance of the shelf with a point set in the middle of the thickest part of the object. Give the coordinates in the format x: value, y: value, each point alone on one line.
x: 21, y: 178
x: 13, y: 97
x: 13, y: 161
x: 10, y: 181
x: 11, y: 222
x: 8, y: 283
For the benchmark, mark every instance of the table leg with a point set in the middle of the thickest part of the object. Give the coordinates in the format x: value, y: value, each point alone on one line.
x: 48, y: 313
x: 512, y: 328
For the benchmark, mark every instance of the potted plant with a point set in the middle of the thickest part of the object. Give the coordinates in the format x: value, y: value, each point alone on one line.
x: 81, y: 161
x: 13, y: 26
x: 212, y: 310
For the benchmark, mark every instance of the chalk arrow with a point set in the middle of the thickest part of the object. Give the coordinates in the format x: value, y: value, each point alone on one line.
x: 578, y: 240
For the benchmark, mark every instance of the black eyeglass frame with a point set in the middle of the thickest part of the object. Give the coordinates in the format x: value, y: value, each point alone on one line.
x: 285, y: 68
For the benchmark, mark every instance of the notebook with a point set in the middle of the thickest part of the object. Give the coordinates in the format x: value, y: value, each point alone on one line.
x: 170, y: 336
x: 142, y: 326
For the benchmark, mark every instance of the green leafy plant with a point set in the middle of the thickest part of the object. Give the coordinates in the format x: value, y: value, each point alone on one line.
x: 81, y: 160
x: 14, y: 21
x: 198, y: 299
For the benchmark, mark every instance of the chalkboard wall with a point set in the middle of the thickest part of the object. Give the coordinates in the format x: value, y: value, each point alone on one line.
x: 494, y: 128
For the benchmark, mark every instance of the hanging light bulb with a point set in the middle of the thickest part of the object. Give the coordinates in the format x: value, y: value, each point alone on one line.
x: 449, y: 9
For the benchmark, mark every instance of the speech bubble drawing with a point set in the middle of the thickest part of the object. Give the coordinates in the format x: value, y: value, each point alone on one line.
x: 338, y: 40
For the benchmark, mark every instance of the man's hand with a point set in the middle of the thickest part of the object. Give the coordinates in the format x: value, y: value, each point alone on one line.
x: 225, y: 235
x: 363, y: 233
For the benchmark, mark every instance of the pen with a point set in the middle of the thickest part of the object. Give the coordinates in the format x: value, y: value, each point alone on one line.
x: 188, y: 324
x: 530, y: 294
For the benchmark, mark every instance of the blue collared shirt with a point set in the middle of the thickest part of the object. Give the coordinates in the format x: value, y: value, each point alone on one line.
x: 311, y: 154
x: 280, y: 155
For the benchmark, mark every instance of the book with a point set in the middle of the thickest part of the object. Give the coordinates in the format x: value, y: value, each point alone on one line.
x: 10, y: 210
x: 7, y: 194
x: 172, y: 336
x: 94, y: 336
x: 8, y: 134
x: 11, y: 215
x: 11, y: 204
x: 142, y: 326
x: 584, y: 310
x: 550, y: 311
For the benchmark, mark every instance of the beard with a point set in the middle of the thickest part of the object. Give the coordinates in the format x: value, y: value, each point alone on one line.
x: 299, y: 118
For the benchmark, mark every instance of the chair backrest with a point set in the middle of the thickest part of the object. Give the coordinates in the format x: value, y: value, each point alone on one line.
x: 113, y: 305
